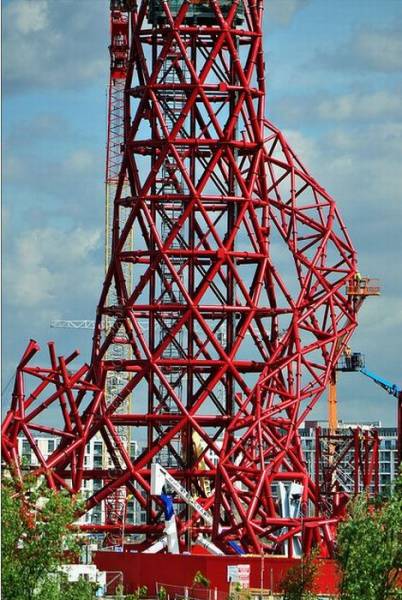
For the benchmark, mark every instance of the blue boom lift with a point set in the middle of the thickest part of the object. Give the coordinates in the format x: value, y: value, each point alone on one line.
x: 352, y: 362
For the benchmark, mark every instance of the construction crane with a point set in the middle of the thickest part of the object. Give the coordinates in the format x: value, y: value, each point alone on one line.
x: 73, y: 323
x: 119, y: 348
x: 358, y: 289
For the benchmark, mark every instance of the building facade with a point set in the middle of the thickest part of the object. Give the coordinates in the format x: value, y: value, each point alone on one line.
x: 96, y: 458
x: 388, y: 457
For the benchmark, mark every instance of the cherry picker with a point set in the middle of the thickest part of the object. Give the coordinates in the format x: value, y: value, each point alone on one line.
x: 354, y: 362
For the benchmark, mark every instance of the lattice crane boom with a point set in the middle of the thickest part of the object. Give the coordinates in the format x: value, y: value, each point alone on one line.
x: 73, y: 323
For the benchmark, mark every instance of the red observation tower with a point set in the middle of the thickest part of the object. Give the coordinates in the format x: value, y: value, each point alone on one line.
x: 225, y: 291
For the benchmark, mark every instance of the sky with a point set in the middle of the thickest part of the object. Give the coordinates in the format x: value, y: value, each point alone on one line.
x: 334, y: 84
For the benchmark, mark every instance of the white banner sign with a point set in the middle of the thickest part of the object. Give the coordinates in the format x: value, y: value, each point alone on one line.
x: 239, y: 574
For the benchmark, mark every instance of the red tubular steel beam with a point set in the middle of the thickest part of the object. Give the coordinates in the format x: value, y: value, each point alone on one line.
x: 238, y: 265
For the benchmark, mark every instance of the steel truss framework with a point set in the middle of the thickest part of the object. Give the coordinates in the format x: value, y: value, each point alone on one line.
x: 244, y: 255
x: 346, y: 463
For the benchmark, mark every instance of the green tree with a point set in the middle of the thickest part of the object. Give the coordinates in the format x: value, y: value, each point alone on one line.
x: 35, y: 540
x: 298, y: 583
x: 200, y: 579
x: 162, y: 594
x: 370, y: 548
x: 141, y: 592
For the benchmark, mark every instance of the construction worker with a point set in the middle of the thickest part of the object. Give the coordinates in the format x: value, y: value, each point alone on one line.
x: 357, y: 279
x: 348, y: 357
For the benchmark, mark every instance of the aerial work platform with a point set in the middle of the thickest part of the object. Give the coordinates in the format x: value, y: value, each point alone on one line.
x: 363, y: 286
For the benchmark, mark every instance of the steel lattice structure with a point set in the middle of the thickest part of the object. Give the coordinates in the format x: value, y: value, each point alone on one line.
x: 238, y: 261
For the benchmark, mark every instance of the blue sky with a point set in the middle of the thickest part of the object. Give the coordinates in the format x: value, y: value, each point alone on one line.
x: 334, y: 85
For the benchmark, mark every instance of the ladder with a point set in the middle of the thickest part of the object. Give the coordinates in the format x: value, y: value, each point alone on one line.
x: 170, y: 183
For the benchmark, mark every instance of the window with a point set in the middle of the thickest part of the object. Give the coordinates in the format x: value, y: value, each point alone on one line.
x: 50, y: 446
x: 97, y: 461
x: 96, y: 517
x: 26, y: 452
x: 98, y: 448
x: 133, y: 450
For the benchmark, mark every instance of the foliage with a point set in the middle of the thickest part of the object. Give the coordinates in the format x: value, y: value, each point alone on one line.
x: 142, y: 592
x: 201, y: 579
x: 162, y: 593
x: 79, y: 590
x: 35, y: 540
x: 298, y: 582
x: 119, y: 591
x: 370, y: 548
x: 239, y: 592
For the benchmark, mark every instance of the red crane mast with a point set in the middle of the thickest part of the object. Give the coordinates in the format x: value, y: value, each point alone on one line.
x: 115, y: 505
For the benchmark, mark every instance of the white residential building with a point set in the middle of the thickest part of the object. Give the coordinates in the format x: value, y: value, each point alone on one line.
x: 388, y: 459
x: 96, y: 456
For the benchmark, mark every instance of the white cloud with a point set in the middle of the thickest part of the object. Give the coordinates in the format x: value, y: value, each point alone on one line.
x: 54, y: 44
x: 56, y: 173
x: 49, y: 266
x: 381, y: 317
x: 368, y: 49
x: 28, y: 16
x: 283, y: 11
x: 304, y: 147
x: 70, y: 176
x: 356, y: 106
x: 376, y: 139
x: 80, y: 161
x: 360, y: 106
x: 359, y: 164
x: 381, y: 50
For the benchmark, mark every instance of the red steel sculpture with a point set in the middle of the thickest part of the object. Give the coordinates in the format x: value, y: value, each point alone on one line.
x: 234, y: 307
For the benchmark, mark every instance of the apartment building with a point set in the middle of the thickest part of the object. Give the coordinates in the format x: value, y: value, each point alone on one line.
x: 96, y: 456
x: 388, y: 459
